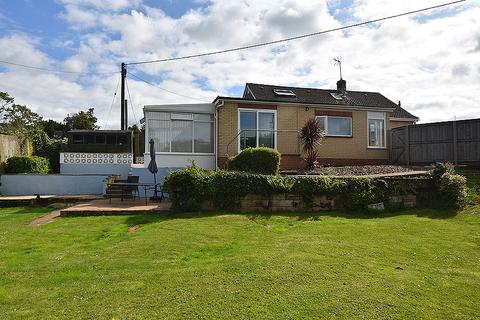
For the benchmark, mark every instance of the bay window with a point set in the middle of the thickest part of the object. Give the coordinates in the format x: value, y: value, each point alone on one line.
x: 181, y: 132
x: 335, y: 126
x: 377, y: 130
x: 257, y: 128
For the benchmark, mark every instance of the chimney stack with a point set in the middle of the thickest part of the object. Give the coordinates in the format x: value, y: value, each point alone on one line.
x: 342, y: 86
x: 399, y: 103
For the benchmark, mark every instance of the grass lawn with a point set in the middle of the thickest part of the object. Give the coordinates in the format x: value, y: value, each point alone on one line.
x: 419, y: 264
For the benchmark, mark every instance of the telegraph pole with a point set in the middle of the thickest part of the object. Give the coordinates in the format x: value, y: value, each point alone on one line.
x: 123, y: 105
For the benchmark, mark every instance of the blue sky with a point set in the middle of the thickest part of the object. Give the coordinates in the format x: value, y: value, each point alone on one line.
x: 429, y: 61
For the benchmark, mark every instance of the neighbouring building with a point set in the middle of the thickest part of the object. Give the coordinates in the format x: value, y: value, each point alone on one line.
x: 356, y: 126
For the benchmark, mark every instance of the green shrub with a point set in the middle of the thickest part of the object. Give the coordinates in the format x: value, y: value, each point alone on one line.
x: 256, y: 160
x: 452, y: 189
x: 27, y: 164
x: 188, y: 187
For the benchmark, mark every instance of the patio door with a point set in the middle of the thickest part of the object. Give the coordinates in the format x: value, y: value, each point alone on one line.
x: 257, y: 128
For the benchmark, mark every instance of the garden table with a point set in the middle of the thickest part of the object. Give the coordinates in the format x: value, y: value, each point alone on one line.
x: 146, y: 186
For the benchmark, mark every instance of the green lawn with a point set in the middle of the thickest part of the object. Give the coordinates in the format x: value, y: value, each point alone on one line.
x: 419, y: 264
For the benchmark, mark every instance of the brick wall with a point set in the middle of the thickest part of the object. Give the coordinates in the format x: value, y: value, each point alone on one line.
x: 333, y: 150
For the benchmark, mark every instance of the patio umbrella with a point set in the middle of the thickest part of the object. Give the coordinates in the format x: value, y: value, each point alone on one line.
x: 152, y: 166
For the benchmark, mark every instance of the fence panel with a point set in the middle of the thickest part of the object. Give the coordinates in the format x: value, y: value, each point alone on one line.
x: 452, y: 141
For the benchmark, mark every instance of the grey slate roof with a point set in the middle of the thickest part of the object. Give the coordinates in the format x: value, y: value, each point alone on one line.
x: 399, y: 112
x: 319, y: 96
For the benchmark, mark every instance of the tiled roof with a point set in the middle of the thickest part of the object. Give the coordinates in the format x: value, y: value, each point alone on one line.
x: 318, y: 96
x: 399, y: 112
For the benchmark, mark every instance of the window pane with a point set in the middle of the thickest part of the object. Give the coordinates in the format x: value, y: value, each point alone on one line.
x: 156, y: 115
x: 159, y: 131
x: 321, y: 121
x: 77, y: 139
x: 339, y: 126
x: 111, y: 139
x: 88, y: 139
x: 266, y: 138
x: 182, y: 132
x: 203, y: 117
x: 182, y: 116
x: 376, y: 133
x: 203, y: 142
x: 100, y: 139
x: 248, y: 134
x: 122, y: 139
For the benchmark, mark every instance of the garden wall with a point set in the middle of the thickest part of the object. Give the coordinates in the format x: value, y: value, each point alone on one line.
x: 295, y: 202
x: 51, y: 184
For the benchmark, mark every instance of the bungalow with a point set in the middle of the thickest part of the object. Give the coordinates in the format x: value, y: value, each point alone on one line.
x: 356, y: 126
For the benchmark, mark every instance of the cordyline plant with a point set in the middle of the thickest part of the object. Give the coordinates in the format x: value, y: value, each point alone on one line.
x: 311, y: 135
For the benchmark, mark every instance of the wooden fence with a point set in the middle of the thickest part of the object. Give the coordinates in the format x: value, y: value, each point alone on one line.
x: 453, y: 141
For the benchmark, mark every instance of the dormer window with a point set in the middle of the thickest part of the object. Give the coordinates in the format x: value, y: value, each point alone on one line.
x: 284, y: 93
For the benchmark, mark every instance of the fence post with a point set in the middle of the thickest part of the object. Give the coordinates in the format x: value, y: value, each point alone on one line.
x: 455, y: 143
x: 407, y: 145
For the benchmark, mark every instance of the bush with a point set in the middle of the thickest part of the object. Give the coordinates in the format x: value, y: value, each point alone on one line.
x: 189, y: 187
x: 453, y: 189
x: 27, y: 164
x: 256, y: 160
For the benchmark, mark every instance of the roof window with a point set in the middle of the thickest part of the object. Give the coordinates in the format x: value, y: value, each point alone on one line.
x: 336, y: 95
x: 284, y: 93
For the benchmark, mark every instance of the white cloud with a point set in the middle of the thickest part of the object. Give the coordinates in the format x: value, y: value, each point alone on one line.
x: 430, y: 64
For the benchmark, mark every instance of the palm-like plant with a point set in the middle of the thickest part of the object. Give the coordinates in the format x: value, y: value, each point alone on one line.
x: 311, y: 135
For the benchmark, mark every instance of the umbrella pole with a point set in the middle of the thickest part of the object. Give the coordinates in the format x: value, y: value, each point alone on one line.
x: 155, y: 181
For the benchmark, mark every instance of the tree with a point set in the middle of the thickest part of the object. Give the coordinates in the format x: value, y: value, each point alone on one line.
x: 311, y: 135
x: 51, y: 127
x: 19, y: 120
x: 82, y: 120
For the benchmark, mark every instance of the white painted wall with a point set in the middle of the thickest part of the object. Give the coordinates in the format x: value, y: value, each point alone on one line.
x: 51, y: 184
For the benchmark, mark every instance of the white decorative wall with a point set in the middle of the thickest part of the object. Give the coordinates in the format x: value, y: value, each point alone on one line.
x: 95, y: 158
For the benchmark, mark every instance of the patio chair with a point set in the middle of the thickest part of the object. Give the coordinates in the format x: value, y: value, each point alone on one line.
x: 131, y: 190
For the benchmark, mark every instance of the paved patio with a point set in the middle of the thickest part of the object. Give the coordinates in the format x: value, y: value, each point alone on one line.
x: 116, y: 207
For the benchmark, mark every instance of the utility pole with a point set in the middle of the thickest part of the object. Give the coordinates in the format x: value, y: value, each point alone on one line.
x: 123, y: 109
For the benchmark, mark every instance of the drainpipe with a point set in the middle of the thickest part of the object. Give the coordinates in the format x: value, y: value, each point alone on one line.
x: 216, y: 132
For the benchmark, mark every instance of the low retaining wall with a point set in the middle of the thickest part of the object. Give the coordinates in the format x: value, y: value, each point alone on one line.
x: 294, y: 202
x: 47, y: 184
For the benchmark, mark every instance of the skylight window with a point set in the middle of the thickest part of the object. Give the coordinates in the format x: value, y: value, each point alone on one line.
x: 336, y: 95
x: 284, y: 93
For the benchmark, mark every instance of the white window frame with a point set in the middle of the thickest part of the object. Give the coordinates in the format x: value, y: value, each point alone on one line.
x: 256, y: 126
x: 371, y: 115
x: 147, y: 148
x: 336, y: 135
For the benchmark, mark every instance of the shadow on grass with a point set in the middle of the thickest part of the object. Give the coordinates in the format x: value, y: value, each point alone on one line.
x: 147, y: 218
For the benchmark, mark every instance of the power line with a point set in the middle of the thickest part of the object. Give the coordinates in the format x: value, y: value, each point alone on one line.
x: 296, y: 37
x: 113, y: 100
x: 51, y: 70
x: 131, y: 103
x: 158, y: 87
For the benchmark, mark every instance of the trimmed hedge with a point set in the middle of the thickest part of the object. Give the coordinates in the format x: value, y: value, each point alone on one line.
x: 256, y: 160
x: 190, y: 187
x: 27, y: 164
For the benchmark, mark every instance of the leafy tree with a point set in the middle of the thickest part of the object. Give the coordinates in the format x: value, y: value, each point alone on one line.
x: 82, y: 120
x: 51, y: 127
x: 19, y: 120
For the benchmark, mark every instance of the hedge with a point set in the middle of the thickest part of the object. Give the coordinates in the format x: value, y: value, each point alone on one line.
x: 190, y: 187
x: 27, y: 164
x: 256, y: 160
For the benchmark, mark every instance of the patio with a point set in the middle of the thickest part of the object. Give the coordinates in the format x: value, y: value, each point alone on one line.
x: 116, y: 207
